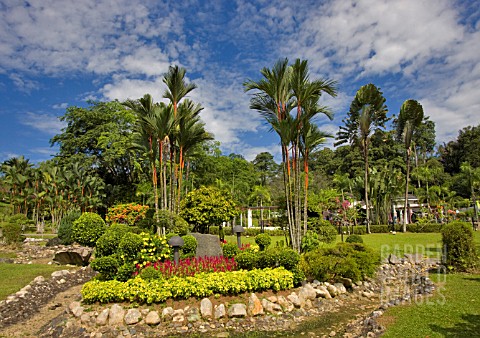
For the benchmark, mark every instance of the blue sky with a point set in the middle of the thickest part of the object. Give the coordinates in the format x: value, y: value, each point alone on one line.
x: 54, y: 54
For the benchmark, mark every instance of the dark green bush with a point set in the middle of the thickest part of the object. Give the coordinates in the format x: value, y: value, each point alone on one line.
x: 130, y: 246
x: 457, y: 239
x: 426, y: 227
x: 150, y: 273
x: 12, y: 233
x: 172, y: 223
x: 88, y: 228
x: 109, y: 242
x: 65, y: 228
x: 348, y: 260
x: 21, y: 220
x: 327, y: 233
x: 246, y: 260
x: 298, y: 276
x: 288, y: 258
x: 107, y: 267
x: 125, y: 272
x: 230, y: 250
x: 310, y: 241
x: 189, y: 247
x: 263, y: 241
x: 267, y: 259
x: 354, y: 239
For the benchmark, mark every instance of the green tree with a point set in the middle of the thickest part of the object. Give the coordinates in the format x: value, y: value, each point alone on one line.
x: 472, y: 177
x: 207, y: 206
x: 266, y: 166
x: 463, y: 149
x: 409, y: 119
x: 367, y: 111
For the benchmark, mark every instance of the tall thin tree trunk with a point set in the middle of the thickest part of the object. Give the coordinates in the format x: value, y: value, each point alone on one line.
x: 367, y: 206
x: 404, y: 228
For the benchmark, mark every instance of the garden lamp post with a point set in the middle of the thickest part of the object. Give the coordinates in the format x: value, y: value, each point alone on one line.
x: 238, y: 229
x: 176, y: 242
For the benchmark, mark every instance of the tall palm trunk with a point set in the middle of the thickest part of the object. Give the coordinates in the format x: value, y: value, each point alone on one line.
x: 367, y: 205
x: 404, y: 228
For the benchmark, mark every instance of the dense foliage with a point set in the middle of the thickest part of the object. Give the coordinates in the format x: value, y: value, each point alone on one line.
x: 88, y: 228
x: 459, y: 246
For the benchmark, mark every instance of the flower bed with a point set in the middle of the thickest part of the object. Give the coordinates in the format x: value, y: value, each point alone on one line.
x: 200, y: 285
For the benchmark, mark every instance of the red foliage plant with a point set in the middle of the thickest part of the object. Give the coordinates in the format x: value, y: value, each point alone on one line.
x: 192, y: 266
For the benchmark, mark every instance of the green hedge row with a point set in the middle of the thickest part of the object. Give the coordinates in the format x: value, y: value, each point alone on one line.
x: 414, y: 227
x: 213, y: 230
x: 200, y: 285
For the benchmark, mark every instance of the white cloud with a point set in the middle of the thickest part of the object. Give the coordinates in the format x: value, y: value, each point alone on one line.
x: 62, y: 105
x: 45, y: 123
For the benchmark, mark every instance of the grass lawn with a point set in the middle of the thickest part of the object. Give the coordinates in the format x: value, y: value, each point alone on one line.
x: 453, y: 311
x: 13, y: 277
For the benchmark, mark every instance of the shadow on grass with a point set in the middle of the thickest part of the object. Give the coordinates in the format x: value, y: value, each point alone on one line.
x: 469, y: 327
x: 474, y: 279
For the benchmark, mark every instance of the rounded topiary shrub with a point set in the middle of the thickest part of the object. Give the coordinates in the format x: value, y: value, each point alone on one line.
x: 130, y: 246
x: 354, y: 239
x: 107, y: 267
x: 65, y: 228
x: 230, y: 249
x: 267, y: 259
x: 88, y: 228
x: 172, y: 222
x: 109, y: 242
x: 459, y: 246
x: 150, y: 273
x: 246, y: 260
x: 12, y: 233
x: 288, y: 258
x: 263, y: 241
x: 125, y: 272
x: 189, y: 247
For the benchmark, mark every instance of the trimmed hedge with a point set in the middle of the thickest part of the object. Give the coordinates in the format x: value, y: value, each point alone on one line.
x: 252, y: 232
x: 457, y: 238
x: 88, y: 228
x: 201, y: 285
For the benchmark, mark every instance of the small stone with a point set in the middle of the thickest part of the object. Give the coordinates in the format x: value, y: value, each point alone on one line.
x: 206, y: 308
x: 273, y: 299
x: 133, y: 316
x: 332, y: 290
x: 341, y: 288
x: 255, y: 307
x: 167, y: 313
x: 102, y: 317
x: 220, y: 311
x: 237, y: 310
x: 332, y: 334
x: 152, y: 318
x: 116, y: 315
x: 294, y: 299
x: 60, y: 273
x: 193, y: 314
x: 85, y: 318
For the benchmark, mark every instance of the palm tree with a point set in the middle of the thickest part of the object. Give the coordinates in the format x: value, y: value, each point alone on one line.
x: 145, y: 110
x: 282, y: 89
x: 472, y: 176
x: 409, y: 119
x: 367, y: 111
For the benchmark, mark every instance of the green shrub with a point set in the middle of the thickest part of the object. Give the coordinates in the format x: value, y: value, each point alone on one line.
x: 21, y: 220
x: 288, y: 258
x: 130, y: 246
x: 380, y: 229
x: 12, y: 233
x: 457, y: 239
x: 325, y: 230
x: 246, y: 260
x: 173, y: 223
x: 107, y: 267
x: 310, y: 241
x: 263, y: 241
x: 189, y: 247
x: 65, y: 228
x: 230, y: 249
x: 267, y: 259
x: 125, y: 272
x: 359, y: 230
x: 298, y: 276
x: 354, y: 239
x: 149, y: 273
x: 109, y: 242
x: 426, y: 227
x: 348, y: 260
x: 88, y: 228
x: 201, y: 285
x: 155, y: 248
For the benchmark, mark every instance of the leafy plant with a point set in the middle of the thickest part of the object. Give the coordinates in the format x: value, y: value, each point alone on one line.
x: 65, y: 228
x: 230, y: 249
x: 130, y: 246
x: 189, y: 247
x: 88, y: 228
x: 107, y: 267
x: 246, y: 260
x: 12, y: 232
x: 355, y: 238
x: 267, y: 259
x: 288, y: 258
x: 325, y: 230
x: 310, y: 241
x: 129, y: 213
x: 109, y: 242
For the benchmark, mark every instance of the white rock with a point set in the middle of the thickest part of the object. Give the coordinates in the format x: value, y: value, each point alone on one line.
x: 102, y: 317
x: 116, y: 315
x: 237, y: 310
x: 206, y: 308
x: 152, y: 318
x: 220, y: 311
x: 167, y: 313
x: 133, y: 316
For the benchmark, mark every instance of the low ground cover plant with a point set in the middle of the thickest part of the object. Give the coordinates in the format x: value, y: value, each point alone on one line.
x: 201, y: 285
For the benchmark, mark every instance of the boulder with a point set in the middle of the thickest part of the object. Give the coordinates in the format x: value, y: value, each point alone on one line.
x: 73, y: 255
x: 152, y: 318
x: 237, y: 310
x: 207, y: 245
x: 133, y: 316
x: 255, y: 307
x: 220, y: 311
x: 116, y: 314
x: 206, y: 308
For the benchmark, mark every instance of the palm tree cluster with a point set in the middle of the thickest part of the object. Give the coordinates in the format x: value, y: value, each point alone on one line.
x: 288, y: 100
x: 168, y: 134
x: 50, y: 190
